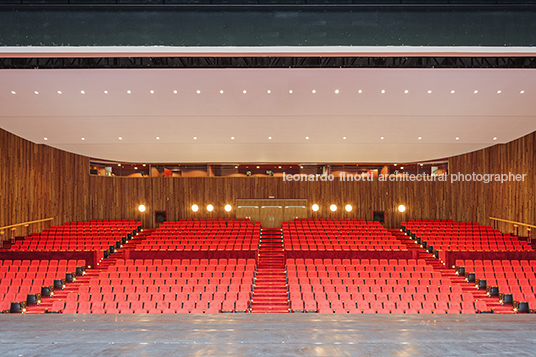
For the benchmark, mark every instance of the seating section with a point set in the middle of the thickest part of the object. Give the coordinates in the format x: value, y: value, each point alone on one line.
x: 166, y: 286
x: 374, y: 286
x: 81, y: 236
x: 338, y: 234
x: 510, y: 276
x: 19, y: 278
x: 188, y: 234
x: 460, y: 236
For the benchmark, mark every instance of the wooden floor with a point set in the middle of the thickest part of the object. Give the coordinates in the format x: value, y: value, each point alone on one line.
x: 267, y: 335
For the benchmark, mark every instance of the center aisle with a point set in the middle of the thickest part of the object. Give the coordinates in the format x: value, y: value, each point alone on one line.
x: 270, y: 293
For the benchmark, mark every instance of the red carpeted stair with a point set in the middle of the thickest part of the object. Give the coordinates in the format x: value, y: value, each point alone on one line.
x: 270, y: 292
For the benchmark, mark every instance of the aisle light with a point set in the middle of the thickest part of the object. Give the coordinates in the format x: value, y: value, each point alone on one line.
x: 333, y: 208
x: 401, y: 208
x: 315, y: 207
x: 195, y: 208
x: 141, y: 208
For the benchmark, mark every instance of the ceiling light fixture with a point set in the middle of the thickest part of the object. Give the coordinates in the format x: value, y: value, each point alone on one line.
x: 45, y: 139
x: 360, y: 91
x: 128, y: 91
x: 457, y: 138
x: 306, y: 138
x: 419, y: 138
x: 336, y: 91
x: 175, y: 91
x: 269, y: 138
x: 383, y: 91
x: 244, y: 91
x: 151, y: 91
x: 157, y: 138
x: 83, y: 138
x: 36, y: 92
x: 499, y: 91
x: 429, y: 91
x: 198, y: 91
x: 232, y: 137
x: 195, y: 137
x: 221, y: 91
x: 268, y: 91
x: 314, y: 91
x: 344, y: 138
x: 105, y: 92
x: 522, y: 92
x: 381, y: 138
x: 452, y: 91
x: 290, y: 91
x: 120, y: 138
x: 406, y: 91
x: 82, y: 92
x: 59, y: 92
x: 495, y: 138
x: 476, y: 91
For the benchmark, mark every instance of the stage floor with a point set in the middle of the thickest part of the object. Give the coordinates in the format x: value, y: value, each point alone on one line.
x: 267, y: 335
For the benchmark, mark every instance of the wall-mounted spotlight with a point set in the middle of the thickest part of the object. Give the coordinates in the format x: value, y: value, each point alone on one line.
x: 210, y: 208
x: 348, y: 208
x: 401, y: 208
x: 141, y: 208
x: 315, y: 207
x: 228, y: 208
x: 333, y: 208
x: 195, y: 208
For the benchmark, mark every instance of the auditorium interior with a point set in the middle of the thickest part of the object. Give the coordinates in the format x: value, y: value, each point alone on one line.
x: 258, y: 178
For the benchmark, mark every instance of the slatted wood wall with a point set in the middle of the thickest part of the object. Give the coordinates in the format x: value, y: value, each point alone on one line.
x: 37, y: 181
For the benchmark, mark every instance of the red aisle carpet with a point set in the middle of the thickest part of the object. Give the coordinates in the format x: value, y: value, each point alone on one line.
x: 270, y: 291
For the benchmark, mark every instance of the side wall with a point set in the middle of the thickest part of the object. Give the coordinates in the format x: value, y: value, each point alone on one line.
x: 37, y: 181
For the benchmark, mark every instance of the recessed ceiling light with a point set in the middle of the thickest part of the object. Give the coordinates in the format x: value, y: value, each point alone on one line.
x: 360, y: 91
x: 290, y: 91
x: 269, y: 138
x: 82, y: 92
x: 118, y: 164
x: 195, y: 137
x: 522, y: 92
x: 306, y: 138
x: 244, y: 91
x: 175, y: 91
x: 422, y: 164
x: 221, y: 91
x: 395, y: 164
x: 383, y: 90
x: 151, y: 91
x: 157, y: 138
x: 13, y: 92
x: 406, y: 91
x: 476, y: 91
x: 45, y: 138
x: 83, y: 138
x: 279, y: 166
x: 419, y: 138
x: 144, y: 165
x: 499, y: 91
x: 105, y: 92
x: 236, y: 167
x: 120, y: 138
x: 268, y: 91
x: 258, y: 167
x: 198, y: 91
x: 36, y: 92
x: 344, y: 137
x: 457, y: 138
x: 135, y: 167
x: 401, y: 167
x: 495, y: 138
x: 452, y: 91
x: 128, y: 91
x: 59, y: 92
x: 232, y: 137
x: 336, y: 91
x: 429, y: 91
x: 314, y: 91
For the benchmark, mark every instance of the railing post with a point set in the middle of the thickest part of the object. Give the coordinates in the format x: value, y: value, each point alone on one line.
x: 13, y: 235
x: 516, y: 230
x: 1, y: 239
x: 529, y: 235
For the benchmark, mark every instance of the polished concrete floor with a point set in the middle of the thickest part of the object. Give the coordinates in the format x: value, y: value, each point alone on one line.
x: 267, y: 335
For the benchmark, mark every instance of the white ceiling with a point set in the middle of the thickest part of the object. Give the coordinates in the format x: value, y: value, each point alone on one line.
x: 288, y: 118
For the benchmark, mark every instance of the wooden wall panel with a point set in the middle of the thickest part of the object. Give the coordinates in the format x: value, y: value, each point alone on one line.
x: 37, y: 181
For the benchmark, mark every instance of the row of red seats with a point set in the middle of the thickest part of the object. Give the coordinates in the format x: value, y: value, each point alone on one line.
x: 355, y: 262
x: 140, y: 307
x: 361, y: 268
x: 365, y: 275
x: 176, y: 262
x: 173, y: 281
x: 41, y: 263
x: 330, y: 288
x: 495, y: 263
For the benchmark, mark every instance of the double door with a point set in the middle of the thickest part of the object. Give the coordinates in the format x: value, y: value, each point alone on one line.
x: 271, y: 212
